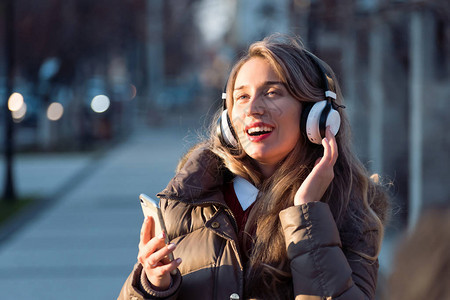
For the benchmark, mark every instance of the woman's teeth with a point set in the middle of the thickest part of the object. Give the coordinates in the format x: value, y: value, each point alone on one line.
x: 259, y: 130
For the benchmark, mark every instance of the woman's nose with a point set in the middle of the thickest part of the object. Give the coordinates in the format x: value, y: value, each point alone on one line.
x: 255, y: 106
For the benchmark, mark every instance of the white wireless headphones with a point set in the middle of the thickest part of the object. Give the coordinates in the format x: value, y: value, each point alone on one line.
x: 316, y: 116
x: 225, y: 130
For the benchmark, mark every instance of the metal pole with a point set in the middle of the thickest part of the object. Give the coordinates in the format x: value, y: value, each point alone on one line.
x: 376, y: 95
x: 349, y: 65
x: 9, y: 190
x: 416, y: 88
x: 155, y: 47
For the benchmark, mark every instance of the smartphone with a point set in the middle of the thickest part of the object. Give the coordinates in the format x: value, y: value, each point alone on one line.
x: 150, y: 207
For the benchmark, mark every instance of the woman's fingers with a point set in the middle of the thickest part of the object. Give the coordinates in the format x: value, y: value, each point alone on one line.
x: 155, y: 253
x: 326, y: 151
x: 161, y: 269
x: 330, y: 150
x: 333, y: 145
x: 158, y: 267
x: 146, y: 249
x: 159, y: 275
x: 159, y: 262
x: 146, y: 231
x: 159, y: 255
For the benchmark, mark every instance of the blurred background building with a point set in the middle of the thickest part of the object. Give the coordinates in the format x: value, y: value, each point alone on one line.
x: 87, y: 73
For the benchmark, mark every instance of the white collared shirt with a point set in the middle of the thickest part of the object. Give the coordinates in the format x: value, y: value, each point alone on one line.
x: 245, y: 192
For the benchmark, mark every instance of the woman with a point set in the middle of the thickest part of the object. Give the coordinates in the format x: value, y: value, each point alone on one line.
x: 270, y: 215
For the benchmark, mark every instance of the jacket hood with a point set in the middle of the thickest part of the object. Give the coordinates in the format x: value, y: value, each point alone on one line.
x: 199, y: 180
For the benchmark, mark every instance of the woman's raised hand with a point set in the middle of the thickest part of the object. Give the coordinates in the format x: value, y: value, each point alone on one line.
x: 153, y: 257
x: 317, y: 182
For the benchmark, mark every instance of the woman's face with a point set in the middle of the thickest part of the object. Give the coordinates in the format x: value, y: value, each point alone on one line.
x: 265, y: 116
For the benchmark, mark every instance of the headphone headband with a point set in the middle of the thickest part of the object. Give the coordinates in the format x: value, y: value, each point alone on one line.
x: 328, y: 92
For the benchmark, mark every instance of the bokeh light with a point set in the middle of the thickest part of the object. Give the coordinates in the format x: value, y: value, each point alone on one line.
x: 100, y: 103
x: 15, y: 102
x: 55, y: 111
x: 19, y: 115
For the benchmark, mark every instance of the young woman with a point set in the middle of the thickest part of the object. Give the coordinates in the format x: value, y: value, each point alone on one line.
x: 268, y: 208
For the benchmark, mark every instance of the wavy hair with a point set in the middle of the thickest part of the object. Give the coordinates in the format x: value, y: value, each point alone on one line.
x: 358, y: 204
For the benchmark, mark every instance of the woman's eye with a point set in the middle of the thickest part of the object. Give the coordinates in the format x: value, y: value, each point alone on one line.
x: 271, y: 93
x: 241, y: 97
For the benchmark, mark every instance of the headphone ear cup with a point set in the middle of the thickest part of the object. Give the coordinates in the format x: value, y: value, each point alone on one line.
x: 334, y: 121
x: 306, y: 108
x: 317, y: 117
x: 225, y: 131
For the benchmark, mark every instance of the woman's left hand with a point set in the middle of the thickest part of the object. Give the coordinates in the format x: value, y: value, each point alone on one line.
x: 317, y: 182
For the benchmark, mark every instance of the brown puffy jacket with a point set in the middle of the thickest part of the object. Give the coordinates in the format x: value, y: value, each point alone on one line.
x: 199, y: 222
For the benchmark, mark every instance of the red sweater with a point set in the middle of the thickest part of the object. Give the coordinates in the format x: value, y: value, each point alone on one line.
x: 233, y: 203
x: 241, y: 217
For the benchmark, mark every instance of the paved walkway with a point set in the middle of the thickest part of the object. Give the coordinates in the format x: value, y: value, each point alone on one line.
x: 82, y: 243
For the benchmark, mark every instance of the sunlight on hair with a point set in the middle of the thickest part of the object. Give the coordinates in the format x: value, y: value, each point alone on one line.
x: 375, y: 177
x: 100, y: 103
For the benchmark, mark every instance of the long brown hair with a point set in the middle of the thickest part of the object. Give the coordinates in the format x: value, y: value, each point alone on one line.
x: 354, y: 199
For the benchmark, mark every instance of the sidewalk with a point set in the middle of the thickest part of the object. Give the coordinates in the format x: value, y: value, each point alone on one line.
x: 84, y: 244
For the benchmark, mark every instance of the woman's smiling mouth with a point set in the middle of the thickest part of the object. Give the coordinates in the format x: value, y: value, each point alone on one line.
x: 258, y: 131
